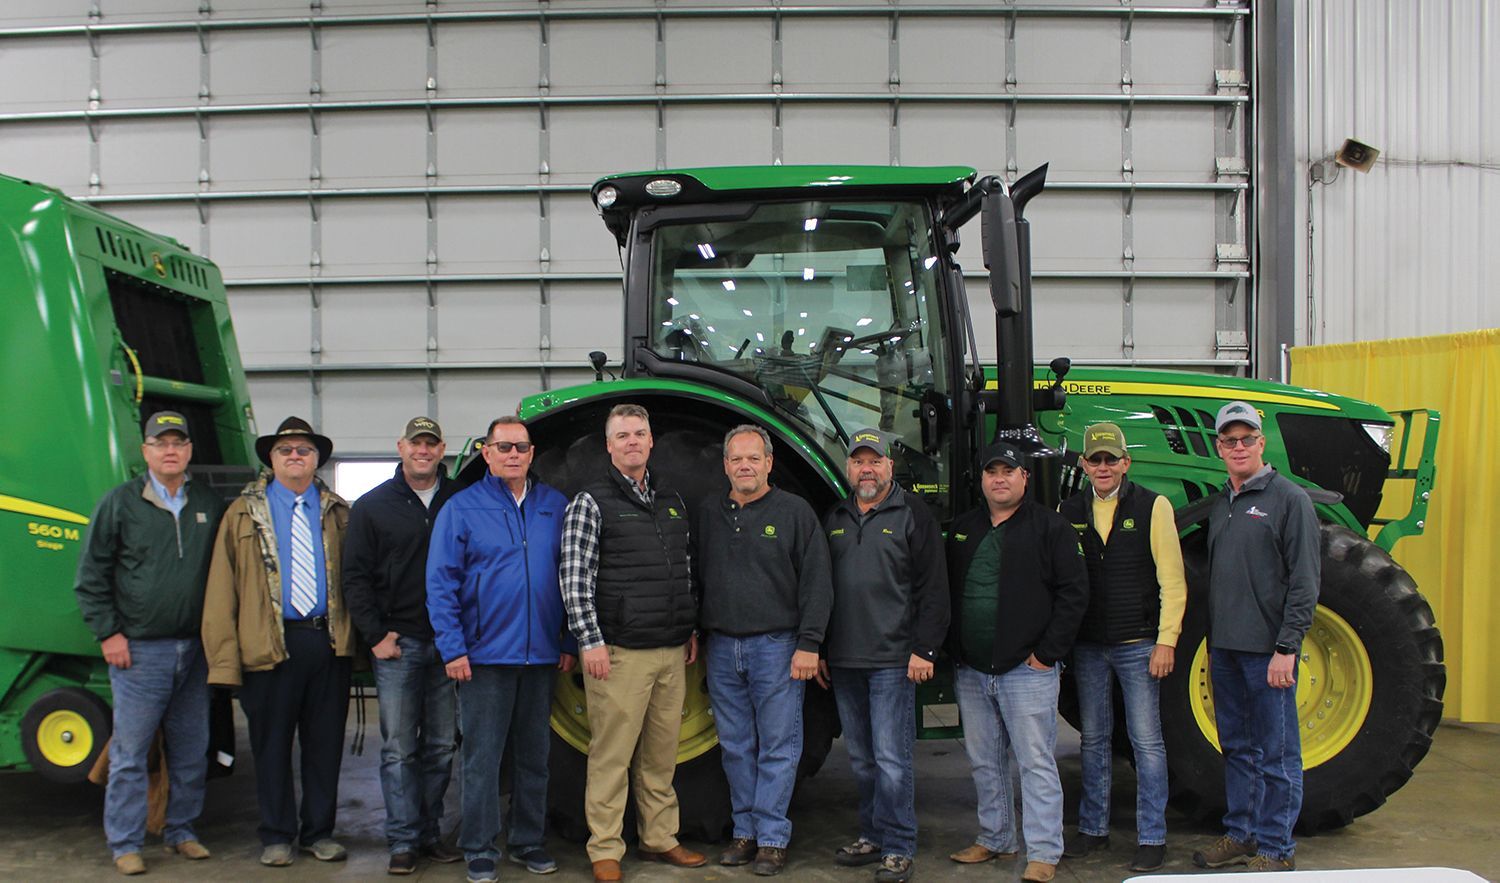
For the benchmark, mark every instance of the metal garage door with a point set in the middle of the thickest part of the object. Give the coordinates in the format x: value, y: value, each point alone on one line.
x: 397, y: 192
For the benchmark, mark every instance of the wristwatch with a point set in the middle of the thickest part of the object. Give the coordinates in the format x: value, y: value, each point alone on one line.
x: 1286, y: 649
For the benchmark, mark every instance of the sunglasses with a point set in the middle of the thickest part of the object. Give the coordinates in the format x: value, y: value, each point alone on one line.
x: 1243, y: 441
x: 504, y: 447
x: 168, y: 443
x: 1104, y: 459
x: 299, y: 450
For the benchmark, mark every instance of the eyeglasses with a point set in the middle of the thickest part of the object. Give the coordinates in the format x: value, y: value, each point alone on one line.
x: 170, y: 444
x: 299, y: 450
x: 504, y: 447
x: 1243, y: 441
x: 1104, y: 459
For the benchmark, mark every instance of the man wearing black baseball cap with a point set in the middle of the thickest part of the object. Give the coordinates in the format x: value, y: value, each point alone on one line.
x: 1019, y: 589
x: 276, y: 626
x: 385, y: 584
x: 140, y: 589
x: 890, y: 611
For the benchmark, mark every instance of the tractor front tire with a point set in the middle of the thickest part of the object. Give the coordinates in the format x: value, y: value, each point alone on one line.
x: 63, y: 731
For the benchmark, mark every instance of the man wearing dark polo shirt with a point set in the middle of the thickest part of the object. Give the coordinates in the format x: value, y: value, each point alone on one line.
x: 766, y: 598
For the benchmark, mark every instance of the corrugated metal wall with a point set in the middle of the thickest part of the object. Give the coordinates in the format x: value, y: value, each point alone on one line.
x: 396, y: 191
x: 1411, y: 247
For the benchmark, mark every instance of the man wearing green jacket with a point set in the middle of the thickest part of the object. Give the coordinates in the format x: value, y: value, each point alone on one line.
x: 140, y: 588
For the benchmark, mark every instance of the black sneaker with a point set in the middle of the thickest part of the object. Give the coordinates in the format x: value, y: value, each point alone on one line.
x: 894, y: 869
x: 1080, y: 844
x: 536, y: 860
x: 1149, y: 857
x: 482, y: 870
x: 401, y: 863
x: 769, y: 861
x: 741, y: 851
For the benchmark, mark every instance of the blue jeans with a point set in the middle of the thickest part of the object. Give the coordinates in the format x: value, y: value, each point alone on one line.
x: 505, y: 706
x: 1096, y: 666
x: 418, y: 725
x: 165, y: 687
x: 878, y: 711
x: 758, y: 711
x: 1262, y: 751
x: 1014, y: 712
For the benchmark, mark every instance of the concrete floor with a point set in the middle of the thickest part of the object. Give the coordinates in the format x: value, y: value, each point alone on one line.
x: 1448, y: 815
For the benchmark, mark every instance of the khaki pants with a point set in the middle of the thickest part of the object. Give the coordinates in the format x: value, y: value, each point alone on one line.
x: 635, y: 714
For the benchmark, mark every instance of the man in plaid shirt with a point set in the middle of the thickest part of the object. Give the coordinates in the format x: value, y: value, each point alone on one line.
x: 627, y: 589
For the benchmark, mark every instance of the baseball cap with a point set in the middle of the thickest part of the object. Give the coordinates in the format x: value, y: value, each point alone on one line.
x: 873, y: 439
x: 1103, y: 438
x: 165, y: 421
x: 422, y: 426
x: 1002, y: 452
x: 1237, y: 412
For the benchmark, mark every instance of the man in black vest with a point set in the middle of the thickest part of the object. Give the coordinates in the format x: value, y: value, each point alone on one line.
x: 1137, y: 594
x: 627, y: 589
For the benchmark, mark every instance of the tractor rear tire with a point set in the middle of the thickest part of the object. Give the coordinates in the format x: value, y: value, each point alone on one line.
x: 702, y: 796
x: 1377, y: 613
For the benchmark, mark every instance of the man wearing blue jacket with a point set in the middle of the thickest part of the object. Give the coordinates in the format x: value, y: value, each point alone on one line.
x: 497, y: 618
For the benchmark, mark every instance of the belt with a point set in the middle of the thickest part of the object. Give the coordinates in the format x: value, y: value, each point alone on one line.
x: 312, y: 622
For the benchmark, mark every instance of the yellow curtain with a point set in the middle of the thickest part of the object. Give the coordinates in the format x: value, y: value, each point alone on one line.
x: 1456, y: 560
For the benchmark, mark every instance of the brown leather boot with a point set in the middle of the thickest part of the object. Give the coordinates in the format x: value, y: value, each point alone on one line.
x: 607, y: 871
x: 678, y: 855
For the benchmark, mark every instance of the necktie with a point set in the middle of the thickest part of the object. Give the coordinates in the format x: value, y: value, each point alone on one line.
x: 304, y: 573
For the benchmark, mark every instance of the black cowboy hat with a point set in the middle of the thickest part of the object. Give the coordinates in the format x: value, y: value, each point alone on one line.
x: 294, y: 426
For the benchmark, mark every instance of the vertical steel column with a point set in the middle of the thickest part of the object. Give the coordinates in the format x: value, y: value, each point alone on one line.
x: 776, y: 84
x: 431, y: 344
x: 314, y: 290
x: 1127, y: 203
x: 1234, y: 309
x: 1011, y: 169
x: 95, y: 96
x: 205, y: 93
x: 661, y: 88
x: 895, y: 87
x: 544, y: 224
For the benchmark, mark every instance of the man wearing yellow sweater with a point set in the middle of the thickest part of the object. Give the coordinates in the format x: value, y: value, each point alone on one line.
x: 1137, y: 593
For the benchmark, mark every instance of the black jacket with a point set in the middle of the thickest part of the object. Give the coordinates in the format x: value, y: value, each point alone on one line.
x: 385, y: 559
x: 888, y: 583
x: 1044, y: 590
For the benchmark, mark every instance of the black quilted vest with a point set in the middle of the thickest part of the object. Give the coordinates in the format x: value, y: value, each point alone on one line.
x: 1124, y: 597
x: 642, y: 593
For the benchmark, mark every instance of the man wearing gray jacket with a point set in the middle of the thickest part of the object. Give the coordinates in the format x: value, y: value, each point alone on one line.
x: 1263, y: 585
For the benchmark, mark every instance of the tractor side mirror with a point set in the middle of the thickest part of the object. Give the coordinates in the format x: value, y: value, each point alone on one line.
x: 1002, y: 252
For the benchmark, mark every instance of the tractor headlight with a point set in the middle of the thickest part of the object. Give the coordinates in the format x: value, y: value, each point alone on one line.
x: 606, y: 197
x: 1380, y: 434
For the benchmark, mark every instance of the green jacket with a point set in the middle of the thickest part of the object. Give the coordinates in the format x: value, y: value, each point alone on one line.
x: 142, y: 572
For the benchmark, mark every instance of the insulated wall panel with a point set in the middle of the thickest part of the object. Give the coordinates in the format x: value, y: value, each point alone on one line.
x: 397, y: 192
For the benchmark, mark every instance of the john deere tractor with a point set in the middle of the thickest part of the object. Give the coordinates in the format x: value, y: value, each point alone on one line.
x: 104, y: 323
x: 817, y: 300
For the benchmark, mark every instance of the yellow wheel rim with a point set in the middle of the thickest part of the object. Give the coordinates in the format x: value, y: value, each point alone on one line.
x: 570, y: 719
x: 65, y: 738
x: 1334, y: 687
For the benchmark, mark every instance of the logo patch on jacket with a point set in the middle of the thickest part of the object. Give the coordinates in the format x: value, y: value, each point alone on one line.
x: 1128, y: 524
x: 887, y: 531
x: 836, y: 532
x: 960, y: 537
x: 673, y: 512
x: 202, y: 517
x: 1255, y: 513
x: 770, y: 531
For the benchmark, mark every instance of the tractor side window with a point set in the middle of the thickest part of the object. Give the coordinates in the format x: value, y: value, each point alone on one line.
x: 830, y: 307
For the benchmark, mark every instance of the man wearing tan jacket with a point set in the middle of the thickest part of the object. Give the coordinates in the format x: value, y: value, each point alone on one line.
x: 275, y: 626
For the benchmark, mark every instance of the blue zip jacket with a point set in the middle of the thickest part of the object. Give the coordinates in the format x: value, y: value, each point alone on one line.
x: 492, y: 590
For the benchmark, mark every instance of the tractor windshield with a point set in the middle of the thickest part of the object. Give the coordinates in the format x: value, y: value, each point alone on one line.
x: 830, y: 307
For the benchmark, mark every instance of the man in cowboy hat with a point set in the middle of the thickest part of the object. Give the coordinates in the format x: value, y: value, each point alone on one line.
x: 275, y: 626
